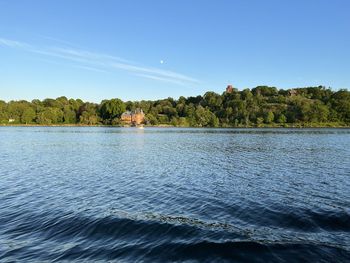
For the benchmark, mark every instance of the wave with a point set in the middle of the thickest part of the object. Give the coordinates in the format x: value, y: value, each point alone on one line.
x: 149, y: 237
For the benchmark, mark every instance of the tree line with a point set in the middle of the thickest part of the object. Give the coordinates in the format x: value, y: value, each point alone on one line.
x: 260, y: 106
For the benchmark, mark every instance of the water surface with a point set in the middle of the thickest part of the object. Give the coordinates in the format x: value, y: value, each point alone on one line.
x: 160, y: 195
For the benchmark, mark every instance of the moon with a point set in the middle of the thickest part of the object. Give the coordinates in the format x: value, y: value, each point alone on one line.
x: 161, y: 61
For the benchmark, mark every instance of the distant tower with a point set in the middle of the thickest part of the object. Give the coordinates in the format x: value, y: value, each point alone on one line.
x: 229, y: 89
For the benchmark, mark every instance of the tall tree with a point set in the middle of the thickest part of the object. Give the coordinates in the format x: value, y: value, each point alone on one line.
x: 111, y: 109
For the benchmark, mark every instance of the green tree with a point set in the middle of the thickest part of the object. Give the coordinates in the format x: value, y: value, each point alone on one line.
x: 260, y: 105
x: 340, y: 102
x: 205, y: 118
x: 28, y: 115
x: 111, y: 109
x: 88, y: 118
x: 282, y: 119
x: 150, y: 119
x: 88, y: 114
x: 212, y: 100
x: 69, y: 115
x: 318, y: 112
x: 269, y: 117
x: 49, y: 115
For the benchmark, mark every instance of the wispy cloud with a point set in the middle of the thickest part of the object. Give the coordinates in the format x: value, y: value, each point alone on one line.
x: 100, y: 62
x: 161, y: 79
x: 90, y: 68
x: 13, y: 43
x: 87, y: 54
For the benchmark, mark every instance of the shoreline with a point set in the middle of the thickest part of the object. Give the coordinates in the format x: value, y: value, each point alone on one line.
x: 189, y: 127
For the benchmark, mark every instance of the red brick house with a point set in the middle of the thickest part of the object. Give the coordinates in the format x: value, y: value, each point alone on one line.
x: 135, y: 117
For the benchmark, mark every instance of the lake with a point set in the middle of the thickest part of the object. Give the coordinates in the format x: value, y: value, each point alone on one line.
x: 172, y: 194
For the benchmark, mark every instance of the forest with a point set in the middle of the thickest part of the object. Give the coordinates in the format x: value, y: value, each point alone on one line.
x: 261, y: 106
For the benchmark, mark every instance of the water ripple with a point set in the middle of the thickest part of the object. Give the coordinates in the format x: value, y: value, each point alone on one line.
x: 174, y: 195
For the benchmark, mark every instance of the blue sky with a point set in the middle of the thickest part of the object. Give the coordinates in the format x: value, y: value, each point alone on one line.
x: 153, y: 49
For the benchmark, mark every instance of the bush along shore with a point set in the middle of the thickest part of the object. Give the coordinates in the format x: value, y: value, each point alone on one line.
x: 262, y: 106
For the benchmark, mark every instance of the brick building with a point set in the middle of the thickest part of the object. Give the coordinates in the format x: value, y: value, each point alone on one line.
x: 229, y: 89
x: 135, y: 117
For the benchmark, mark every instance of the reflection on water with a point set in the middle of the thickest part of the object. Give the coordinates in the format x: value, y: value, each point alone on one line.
x: 168, y: 194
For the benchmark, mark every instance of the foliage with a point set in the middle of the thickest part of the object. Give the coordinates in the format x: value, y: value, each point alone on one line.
x: 261, y: 106
x: 111, y: 109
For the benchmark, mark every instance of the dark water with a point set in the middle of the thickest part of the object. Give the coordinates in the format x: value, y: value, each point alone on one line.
x: 160, y: 195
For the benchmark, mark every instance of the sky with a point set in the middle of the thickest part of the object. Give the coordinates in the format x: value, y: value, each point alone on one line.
x: 135, y: 50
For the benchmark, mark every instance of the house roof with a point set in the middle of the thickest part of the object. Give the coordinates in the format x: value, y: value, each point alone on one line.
x: 126, y: 113
x: 129, y: 113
